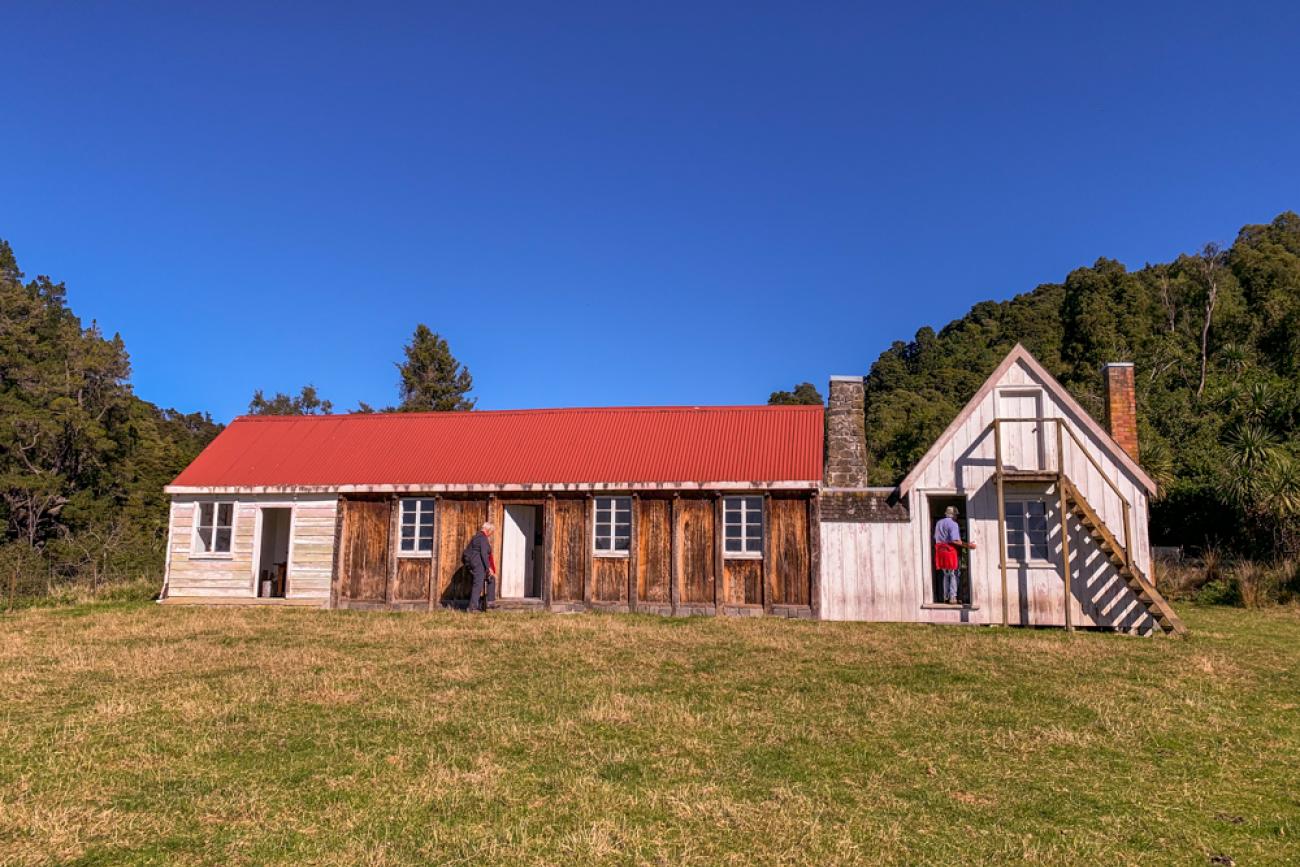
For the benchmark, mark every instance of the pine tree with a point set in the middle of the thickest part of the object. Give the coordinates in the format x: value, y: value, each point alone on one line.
x: 431, y: 379
x: 804, y: 394
x: 307, y: 402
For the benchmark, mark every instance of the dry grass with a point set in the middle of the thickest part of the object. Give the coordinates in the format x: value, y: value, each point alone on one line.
x: 145, y: 735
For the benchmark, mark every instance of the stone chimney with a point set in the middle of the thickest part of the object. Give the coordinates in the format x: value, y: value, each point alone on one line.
x: 846, y: 434
x: 1121, y: 405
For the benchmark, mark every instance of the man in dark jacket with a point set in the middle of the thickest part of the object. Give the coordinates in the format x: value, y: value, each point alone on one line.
x: 477, y: 557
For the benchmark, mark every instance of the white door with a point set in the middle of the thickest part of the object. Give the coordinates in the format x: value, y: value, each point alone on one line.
x: 1022, y: 441
x: 517, y: 551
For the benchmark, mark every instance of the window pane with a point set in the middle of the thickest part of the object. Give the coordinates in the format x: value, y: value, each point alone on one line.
x: 1015, y: 552
x: 225, y: 512
x: 1015, y: 508
x: 205, y: 540
x: 733, y: 531
x: 205, y: 514
x: 754, y: 546
x: 754, y: 531
x: 223, y: 542
x: 622, y: 543
x: 408, y: 544
x: 1036, y: 508
x: 755, y: 504
x: 733, y: 545
x: 1038, y: 551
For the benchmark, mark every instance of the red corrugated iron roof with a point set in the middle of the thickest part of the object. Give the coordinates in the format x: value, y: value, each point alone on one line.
x: 655, y: 445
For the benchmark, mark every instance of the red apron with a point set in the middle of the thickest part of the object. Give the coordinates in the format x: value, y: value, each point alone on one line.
x: 945, y: 556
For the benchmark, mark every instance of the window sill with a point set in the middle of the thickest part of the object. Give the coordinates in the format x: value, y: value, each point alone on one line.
x: 414, y: 555
x: 218, y: 556
x: 733, y: 555
x: 612, y: 555
x: 944, y: 606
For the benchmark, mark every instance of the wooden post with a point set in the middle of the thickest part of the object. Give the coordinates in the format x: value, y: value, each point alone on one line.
x: 720, y: 593
x: 394, y: 541
x: 548, y: 548
x: 1060, y: 448
x: 633, y: 556
x: 675, y: 554
x: 436, y: 552
x: 1065, y: 545
x: 815, y: 555
x: 1002, y: 519
x: 589, y: 549
x: 768, y: 573
x: 339, y: 507
x: 1128, y: 537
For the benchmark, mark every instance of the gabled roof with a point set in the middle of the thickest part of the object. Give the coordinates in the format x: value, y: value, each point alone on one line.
x: 688, y: 447
x: 1019, y: 354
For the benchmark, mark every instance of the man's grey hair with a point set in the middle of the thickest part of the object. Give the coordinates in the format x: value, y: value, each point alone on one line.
x: 951, y: 512
x: 487, y: 525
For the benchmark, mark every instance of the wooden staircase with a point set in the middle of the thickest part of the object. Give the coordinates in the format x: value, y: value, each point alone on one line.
x: 1120, y: 558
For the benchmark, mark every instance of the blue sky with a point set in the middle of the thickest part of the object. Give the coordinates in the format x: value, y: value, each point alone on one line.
x: 609, y: 203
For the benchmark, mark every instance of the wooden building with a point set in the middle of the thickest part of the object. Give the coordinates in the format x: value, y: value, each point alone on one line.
x: 689, y: 510
x: 1056, y: 504
x: 692, y: 510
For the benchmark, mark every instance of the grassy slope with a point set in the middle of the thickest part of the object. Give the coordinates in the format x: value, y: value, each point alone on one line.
x: 139, y: 734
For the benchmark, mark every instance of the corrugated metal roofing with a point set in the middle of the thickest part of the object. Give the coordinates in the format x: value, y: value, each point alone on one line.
x: 662, y: 445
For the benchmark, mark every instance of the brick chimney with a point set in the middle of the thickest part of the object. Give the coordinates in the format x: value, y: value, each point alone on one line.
x: 846, y: 434
x: 1121, y: 405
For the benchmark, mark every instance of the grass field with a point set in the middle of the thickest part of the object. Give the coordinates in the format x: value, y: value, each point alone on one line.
x: 138, y: 734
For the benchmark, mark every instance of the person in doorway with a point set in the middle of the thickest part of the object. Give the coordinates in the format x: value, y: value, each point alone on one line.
x: 482, y: 566
x: 947, y: 539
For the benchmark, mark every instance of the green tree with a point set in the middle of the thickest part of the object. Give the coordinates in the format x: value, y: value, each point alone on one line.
x: 306, y: 402
x: 431, y: 379
x: 804, y: 394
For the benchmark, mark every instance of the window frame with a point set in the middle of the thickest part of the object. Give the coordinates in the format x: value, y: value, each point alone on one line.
x: 423, y: 506
x: 210, y: 552
x: 612, y: 524
x: 745, y: 511
x: 1027, y: 558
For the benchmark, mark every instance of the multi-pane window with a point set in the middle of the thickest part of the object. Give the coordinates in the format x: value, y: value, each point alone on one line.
x: 1027, y: 530
x: 742, y: 518
x: 613, y: 532
x: 417, y: 527
x: 213, y: 528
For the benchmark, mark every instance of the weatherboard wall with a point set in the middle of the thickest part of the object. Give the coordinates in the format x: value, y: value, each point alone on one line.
x: 883, y: 570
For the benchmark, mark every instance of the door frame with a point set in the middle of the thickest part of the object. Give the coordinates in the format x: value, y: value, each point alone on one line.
x: 258, y: 525
x: 1040, y: 432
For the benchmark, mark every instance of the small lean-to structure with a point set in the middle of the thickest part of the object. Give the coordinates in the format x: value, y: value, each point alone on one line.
x: 684, y: 510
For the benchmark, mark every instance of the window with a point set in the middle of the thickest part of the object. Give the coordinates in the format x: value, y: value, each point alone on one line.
x: 613, y: 525
x: 213, y: 528
x: 1027, y: 530
x: 742, y: 518
x: 417, y: 527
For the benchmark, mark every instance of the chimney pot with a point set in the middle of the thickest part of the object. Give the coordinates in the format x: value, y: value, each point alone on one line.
x: 846, y: 434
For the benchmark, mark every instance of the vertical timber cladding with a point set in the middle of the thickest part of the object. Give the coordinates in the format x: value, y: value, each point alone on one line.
x: 791, y: 569
x: 363, y: 562
x: 695, y: 559
x: 744, y: 581
x: 654, y: 548
x: 570, y: 550
x: 458, y: 521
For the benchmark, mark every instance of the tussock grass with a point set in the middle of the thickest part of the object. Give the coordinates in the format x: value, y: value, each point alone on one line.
x: 137, y: 734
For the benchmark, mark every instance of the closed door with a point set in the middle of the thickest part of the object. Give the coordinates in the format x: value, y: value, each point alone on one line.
x: 517, y: 551
x: 1022, y: 429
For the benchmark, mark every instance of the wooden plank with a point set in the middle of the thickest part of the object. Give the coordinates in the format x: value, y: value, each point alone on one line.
x: 1002, y: 518
x: 334, y: 564
x: 1065, y: 548
x: 767, y: 592
x: 675, y: 554
x: 744, y: 584
x: 609, y: 579
x: 634, y: 548
x: 569, y: 555
x: 548, y: 548
x: 588, y: 547
x: 720, y: 594
x: 695, y: 531
x: 394, y: 510
x: 365, y: 551
x: 815, y: 555
x: 654, y: 551
x: 435, y: 554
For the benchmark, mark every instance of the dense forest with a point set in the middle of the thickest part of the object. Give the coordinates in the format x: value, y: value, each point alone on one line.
x: 1215, y: 337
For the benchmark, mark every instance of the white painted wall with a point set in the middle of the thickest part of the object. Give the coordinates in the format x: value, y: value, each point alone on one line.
x: 311, y: 548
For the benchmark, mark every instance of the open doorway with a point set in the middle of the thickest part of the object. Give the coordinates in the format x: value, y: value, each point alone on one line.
x: 273, y: 555
x: 938, y: 504
x: 521, y: 552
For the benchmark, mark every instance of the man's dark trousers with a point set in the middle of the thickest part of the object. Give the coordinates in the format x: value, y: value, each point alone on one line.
x: 481, y: 577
